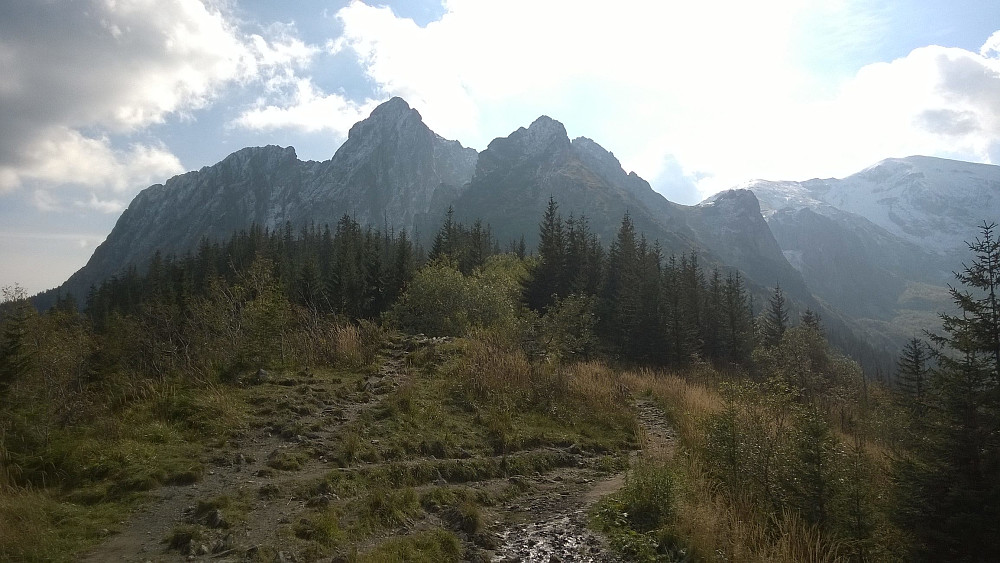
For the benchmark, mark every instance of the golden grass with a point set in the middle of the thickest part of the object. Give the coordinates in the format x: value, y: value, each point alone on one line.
x: 709, y: 522
x: 713, y: 524
x: 595, y: 387
x: 686, y: 404
x: 34, y: 526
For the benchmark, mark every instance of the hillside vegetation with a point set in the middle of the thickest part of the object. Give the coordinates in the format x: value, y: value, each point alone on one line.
x: 338, y: 393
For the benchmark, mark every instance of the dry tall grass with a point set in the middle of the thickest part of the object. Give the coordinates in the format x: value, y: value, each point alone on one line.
x: 709, y: 522
x: 712, y: 522
x: 686, y: 403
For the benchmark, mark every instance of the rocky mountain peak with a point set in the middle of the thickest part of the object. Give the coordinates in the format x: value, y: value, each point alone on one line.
x: 546, y: 127
x: 735, y: 202
x: 544, y: 135
x: 258, y: 157
x: 393, y: 110
x: 394, y: 115
x: 596, y: 154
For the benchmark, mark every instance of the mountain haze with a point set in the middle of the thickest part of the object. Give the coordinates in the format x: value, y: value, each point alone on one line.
x: 516, y: 175
x: 881, y: 244
x: 394, y: 172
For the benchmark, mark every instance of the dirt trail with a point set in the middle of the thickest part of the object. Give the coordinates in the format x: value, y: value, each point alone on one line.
x: 247, y: 471
x: 546, y: 522
x: 551, y: 525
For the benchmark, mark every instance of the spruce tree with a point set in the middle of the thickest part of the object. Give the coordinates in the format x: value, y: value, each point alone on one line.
x: 546, y: 281
x: 912, y: 372
x: 776, y: 319
x: 621, y: 301
x: 950, y: 482
x: 739, y: 322
x: 811, y: 319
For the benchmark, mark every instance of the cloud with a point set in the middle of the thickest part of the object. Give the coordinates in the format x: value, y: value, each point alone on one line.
x: 304, y: 109
x: 714, y: 94
x: 935, y: 100
x: 81, y: 78
x: 101, y: 205
x: 63, y: 156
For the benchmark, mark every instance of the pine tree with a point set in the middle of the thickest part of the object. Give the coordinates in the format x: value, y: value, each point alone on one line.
x: 981, y: 311
x: 309, y: 286
x: 713, y: 341
x: 546, y: 281
x: 950, y: 481
x: 16, y: 313
x: 776, y: 318
x: 621, y: 294
x: 912, y: 373
x: 811, y: 319
x: 444, y: 240
x: 739, y: 321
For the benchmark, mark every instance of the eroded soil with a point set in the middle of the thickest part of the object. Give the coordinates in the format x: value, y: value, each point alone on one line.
x: 260, y: 489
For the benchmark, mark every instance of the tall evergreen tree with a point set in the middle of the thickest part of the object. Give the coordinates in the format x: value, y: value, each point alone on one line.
x: 812, y: 320
x: 951, y: 483
x: 739, y: 321
x: 776, y: 318
x: 621, y: 301
x: 912, y: 374
x: 546, y: 280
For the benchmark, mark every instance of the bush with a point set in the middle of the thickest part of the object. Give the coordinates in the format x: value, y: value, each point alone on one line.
x: 648, y: 497
x: 441, y: 301
x: 567, y: 328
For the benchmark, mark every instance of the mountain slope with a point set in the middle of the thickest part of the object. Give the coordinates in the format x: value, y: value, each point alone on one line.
x: 881, y: 244
x: 516, y: 175
x: 394, y: 172
x: 934, y: 203
x: 391, y: 172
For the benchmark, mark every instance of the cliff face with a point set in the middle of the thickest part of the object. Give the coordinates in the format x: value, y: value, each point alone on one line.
x: 881, y: 244
x: 516, y: 175
x: 392, y: 171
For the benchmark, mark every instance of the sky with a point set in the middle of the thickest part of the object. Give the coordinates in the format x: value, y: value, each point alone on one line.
x: 102, y: 98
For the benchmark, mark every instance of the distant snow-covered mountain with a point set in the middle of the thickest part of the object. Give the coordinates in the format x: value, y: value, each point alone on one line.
x: 881, y: 244
x: 935, y: 203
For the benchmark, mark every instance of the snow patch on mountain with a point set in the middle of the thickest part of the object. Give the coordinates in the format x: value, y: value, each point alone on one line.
x: 934, y: 203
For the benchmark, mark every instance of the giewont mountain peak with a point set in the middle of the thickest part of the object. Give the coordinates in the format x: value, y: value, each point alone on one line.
x: 394, y: 172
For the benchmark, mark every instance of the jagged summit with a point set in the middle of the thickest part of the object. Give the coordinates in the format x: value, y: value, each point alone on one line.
x: 394, y: 105
x: 596, y: 152
x: 392, y: 171
x: 394, y: 114
x: 737, y: 198
x: 395, y: 172
x: 259, y: 156
x: 544, y: 135
x: 545, y: 126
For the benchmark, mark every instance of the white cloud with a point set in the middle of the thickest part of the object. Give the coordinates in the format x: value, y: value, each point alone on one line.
x: 63, y: 156
x: 101, y: 205
x: 306, y: 109
x: 718, y: 90
x: 77, y: 74
x: 991, y: 48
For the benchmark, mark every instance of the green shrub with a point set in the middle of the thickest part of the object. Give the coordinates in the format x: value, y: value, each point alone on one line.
x: 648, y: 496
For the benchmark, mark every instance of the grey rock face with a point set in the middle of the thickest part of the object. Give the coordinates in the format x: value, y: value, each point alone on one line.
x: 731, y: 223
x: 881, y: 244
x: 392, y: 171
x: 516, y: 175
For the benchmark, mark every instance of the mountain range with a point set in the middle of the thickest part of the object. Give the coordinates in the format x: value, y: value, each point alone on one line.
x: 393, y: 172
x: 877, y: 247
x: 881, y: 245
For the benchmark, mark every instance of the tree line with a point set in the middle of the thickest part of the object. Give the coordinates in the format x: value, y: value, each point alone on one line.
x: 268, y: 298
